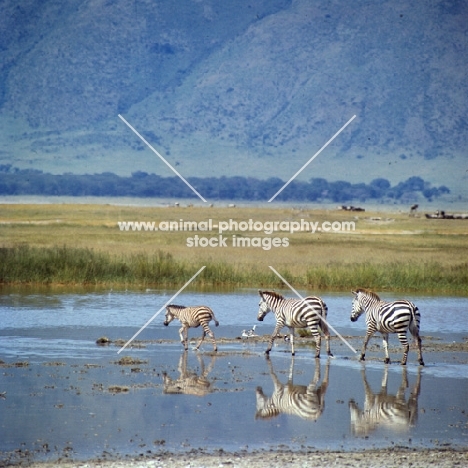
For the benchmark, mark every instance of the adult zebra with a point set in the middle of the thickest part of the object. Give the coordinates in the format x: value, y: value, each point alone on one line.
x: 310, y: 312
x: 192, y: 317
x: 305, y: 401
x: 387, y: 317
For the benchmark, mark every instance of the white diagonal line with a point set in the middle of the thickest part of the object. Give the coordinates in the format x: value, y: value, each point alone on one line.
x: 161, y: 309
x: 312, y: 158
x: 311, y: 308
x: 162, y: 159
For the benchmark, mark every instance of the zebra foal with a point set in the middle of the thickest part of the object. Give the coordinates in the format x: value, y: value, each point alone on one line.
x: 310, y: 312
x: 192, y: 317
x: 387, y: 317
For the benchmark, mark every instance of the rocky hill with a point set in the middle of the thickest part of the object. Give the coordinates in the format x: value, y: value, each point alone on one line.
x: 237, y: 87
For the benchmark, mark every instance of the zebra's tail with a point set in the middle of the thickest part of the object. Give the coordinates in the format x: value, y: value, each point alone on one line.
x: 323, y: 320
x: 414, y: 323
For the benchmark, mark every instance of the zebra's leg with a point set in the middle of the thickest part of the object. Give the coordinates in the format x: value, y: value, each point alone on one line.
x: 420, y: 358
x: 291, y: 334
x: 318, y: 343
x: 273, y: 336
x: 326, y: 332
x: 211, y: 335
x: 385, y: 345
x: 201, y: 339
x: 183, y: 333
x: 405, y: 344
x: 368, y: 336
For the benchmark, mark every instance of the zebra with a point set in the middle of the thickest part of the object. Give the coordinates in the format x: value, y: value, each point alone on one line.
x: 310, y: 312
x: 189, y: 382
x: 305, y: 401
x: 192, y: 317
x: 382, y: 409
x: 387, y: 317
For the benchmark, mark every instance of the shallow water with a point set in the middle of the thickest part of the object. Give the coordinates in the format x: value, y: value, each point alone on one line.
x: 27, y: 320
x: 61, y: 404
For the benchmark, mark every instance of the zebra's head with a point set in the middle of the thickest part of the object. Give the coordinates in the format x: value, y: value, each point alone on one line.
x: 263, y: 307
x: 169, y: 317
x: 357, y: 308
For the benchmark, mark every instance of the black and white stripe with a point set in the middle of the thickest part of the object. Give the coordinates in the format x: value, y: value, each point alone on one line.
x: 189, y: 382
x: 192, y: 317
x: 310, y: 312
x: 304, y: 401
x: 387, y: 317
x: 382, y: 409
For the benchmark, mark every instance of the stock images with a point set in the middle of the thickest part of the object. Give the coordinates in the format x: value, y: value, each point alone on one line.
x: 233, y: 234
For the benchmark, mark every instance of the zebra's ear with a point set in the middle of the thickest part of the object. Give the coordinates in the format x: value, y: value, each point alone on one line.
x: 354, y: 292
x: 261, y: 293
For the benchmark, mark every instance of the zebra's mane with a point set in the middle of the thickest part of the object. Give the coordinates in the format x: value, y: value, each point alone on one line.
x: 369, y: 293
x: 174, y: 306
x: 272, y: 293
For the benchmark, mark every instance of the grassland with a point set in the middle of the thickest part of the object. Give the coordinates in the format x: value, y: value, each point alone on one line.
x: 82, y: 244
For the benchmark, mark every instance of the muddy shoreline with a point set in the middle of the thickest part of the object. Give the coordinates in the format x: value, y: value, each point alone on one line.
x: 279, y: 459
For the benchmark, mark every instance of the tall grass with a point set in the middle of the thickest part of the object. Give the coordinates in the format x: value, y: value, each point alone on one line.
x: 66, y: 265
x: 391, y: 276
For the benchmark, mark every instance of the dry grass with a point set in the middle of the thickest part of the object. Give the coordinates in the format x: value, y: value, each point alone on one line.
x: 381, y: 242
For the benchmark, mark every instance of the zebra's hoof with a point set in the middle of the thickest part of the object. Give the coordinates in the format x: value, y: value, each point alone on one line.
x: 421, y: 362
x: 362, y: 358
x: 387, y: 361
x: 267, y: 352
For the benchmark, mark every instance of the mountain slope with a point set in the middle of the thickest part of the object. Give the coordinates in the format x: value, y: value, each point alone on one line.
x: 237, y: 87
x: 293, y: 77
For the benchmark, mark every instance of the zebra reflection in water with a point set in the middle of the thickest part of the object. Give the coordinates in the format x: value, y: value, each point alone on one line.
x: 189, y: 382
x: 384, y: 410
x: 305, y: 401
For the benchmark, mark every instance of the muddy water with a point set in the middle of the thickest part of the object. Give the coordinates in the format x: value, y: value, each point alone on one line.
x: 67, y: 397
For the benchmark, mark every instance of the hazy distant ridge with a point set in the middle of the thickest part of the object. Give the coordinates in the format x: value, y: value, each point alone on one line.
x: 269, y: 78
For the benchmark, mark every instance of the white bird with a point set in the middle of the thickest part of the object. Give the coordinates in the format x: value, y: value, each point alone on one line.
x: 250, y: 333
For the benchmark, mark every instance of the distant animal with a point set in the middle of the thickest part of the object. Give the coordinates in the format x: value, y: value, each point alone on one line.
x: 192, y: 317
x: 387, y: 317
x: 305, y: 401
x: 351, y: 208
x: 384, y: 409
x: 310, y: 312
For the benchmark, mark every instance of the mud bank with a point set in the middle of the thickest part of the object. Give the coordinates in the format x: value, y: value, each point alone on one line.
x: 375, y: 459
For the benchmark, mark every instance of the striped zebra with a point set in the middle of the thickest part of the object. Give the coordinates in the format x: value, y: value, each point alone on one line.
x: 304, y: 401
x: 310, y: 312
x: 192, y: 317
x: 387, y: 317
x: 189, y: 382
x: 384, y: 409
